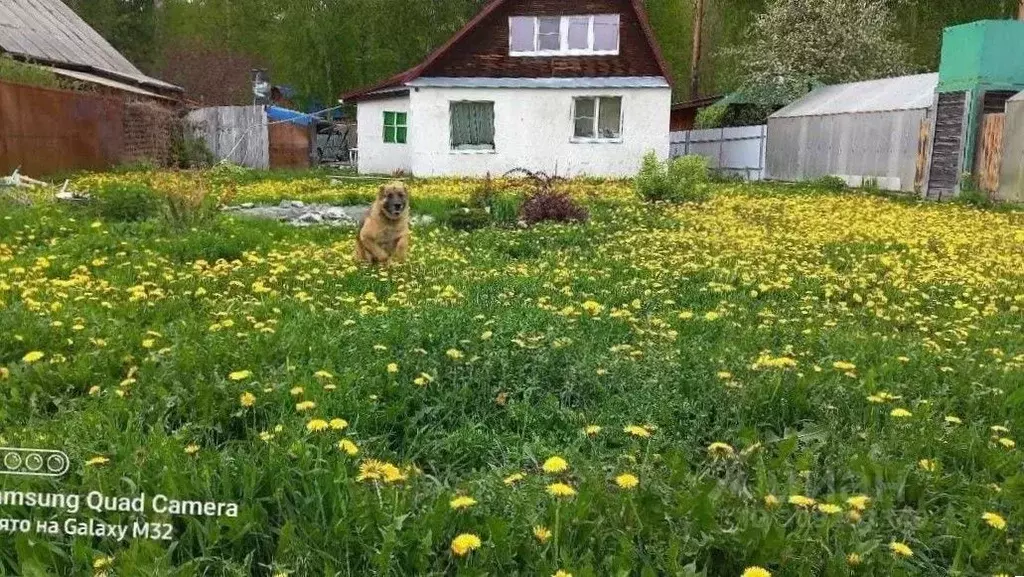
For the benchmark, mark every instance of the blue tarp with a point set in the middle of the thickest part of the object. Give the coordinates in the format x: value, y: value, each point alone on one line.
x: 278, y: 114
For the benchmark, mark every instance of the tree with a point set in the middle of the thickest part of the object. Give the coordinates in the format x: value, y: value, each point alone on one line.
x: 796, y: 44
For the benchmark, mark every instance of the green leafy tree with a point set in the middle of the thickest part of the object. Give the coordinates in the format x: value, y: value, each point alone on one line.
x: 796, y: 44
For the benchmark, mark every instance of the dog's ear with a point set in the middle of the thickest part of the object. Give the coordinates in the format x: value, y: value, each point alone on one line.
x: 382, y: 192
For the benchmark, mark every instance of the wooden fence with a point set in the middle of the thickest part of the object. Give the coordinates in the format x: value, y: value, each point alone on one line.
x: 43, y: 130
x: 990, y: 151
x: 289, y: 145
x: 243, y: 135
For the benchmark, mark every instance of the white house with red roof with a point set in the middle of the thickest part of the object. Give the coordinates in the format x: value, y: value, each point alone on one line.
x: 577, y: 87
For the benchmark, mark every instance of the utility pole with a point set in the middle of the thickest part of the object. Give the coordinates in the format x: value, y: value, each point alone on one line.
x: 698, y: 28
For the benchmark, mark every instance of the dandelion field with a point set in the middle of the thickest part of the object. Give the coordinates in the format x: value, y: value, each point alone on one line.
x: 778, y: 378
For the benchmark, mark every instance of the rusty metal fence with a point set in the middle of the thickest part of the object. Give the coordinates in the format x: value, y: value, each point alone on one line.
x: 43, y: 130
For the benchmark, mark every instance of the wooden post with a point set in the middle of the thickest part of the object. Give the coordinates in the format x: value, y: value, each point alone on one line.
x: 1020, y: 10
x: 698, y: 28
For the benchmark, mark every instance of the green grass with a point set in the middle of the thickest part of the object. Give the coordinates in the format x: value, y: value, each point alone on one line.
x: 661, y: 316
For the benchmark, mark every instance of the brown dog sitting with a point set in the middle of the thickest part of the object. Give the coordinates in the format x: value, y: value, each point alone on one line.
x: 384, y: 233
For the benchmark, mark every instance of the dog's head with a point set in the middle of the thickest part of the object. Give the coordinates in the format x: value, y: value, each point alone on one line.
x: 394, y: 199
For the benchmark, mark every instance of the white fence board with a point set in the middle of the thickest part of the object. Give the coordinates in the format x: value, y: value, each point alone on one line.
x: 737, y: 150
x: 235, y: 133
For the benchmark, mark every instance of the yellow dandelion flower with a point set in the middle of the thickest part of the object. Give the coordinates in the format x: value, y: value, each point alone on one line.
x: 94, y: 390
x: 995, y: 520
x: 771, y: 501
x: 561, y: 573
x: 339, y: 424
x: 392, y: 368
x: 593, y: 307
x: 953, y: 420
x: 148, y: 343
x: 296, y: 391
x: 423, y: 380
x: 101, y: 563
x: 875, y: 399
x: 724, y: 375
x: 1008, y: 443
x: 97, y: 461
x: 900, y: 413
x: 627, y: 481
x: 542, y: 533
x: 464, y: 543
x: 192, y: 449
x: 514, y: 478
x: 317, y: 425
x: 454, y: 354
x: 247, y: 399
x: 591, y: 430
x: 348, y: 447
x: 322, y: 374
x: 853, y: 559
x: 462, y: 502
x: 802, y: 501
x: 756, y: 571
x: 999, y: 429
x: 266, y: 436
x: 720, y: 450
x: 5, y: 373
x: 561, y: 490
x: 900, y: 549
x: 240, y: 375
x: 555, y: 465
x: 305, y: 406
x: 33, y: 356
x: 486, y: 335
x: 859, y: 502
x: 636, y: 431
x: 928, y: 465
x: 829, y: 508
x: 843, y: 366
x: 854, y: 516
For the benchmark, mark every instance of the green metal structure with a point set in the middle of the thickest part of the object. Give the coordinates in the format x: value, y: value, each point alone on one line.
x: 980, y: 58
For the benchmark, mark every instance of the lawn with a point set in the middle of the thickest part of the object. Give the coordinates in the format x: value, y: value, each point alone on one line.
x: 812, y: 383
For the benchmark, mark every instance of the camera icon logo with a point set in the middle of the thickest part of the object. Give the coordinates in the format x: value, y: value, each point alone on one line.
x: 33, y: 462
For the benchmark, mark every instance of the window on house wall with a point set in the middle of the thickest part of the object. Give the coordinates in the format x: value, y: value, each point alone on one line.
x: 597, y: 118
x: 472, y: 125
x: 582, y: 35
x: 396, y: 127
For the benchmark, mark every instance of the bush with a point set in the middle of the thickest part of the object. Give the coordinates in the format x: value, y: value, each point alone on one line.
x: 189, y: 202
x: 127, y: 202
x: 829, y: 183
x: 187, y: 149
x: 686, y: 178
x: 468, y: 218
x: 554, y: 206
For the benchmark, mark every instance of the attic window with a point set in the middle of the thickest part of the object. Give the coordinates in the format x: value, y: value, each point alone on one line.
x: 583, y: 35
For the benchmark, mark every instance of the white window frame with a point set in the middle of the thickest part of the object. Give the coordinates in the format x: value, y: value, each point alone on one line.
x: 597, y: 118
x: 563, y: 38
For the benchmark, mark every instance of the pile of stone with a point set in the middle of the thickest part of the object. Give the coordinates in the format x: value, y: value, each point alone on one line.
x: 298, y: 213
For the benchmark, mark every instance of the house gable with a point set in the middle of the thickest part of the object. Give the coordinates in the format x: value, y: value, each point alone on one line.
x: 484, y: 51
x: 481, y: 48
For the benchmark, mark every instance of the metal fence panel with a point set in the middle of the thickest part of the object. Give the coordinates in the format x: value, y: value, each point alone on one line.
x: 738, y: 150
x: 43, y: 130
x: 1011, y: 185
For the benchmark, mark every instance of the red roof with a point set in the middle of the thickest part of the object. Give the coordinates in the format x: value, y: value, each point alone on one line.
x: 415, y: 72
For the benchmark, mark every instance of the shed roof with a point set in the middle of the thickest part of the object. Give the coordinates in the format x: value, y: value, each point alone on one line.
x: 1018, y: 98
x: 49, y: 32
x: 883, y: 95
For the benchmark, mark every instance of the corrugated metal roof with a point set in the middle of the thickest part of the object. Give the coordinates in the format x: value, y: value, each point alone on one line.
x: 580, y: 82
x: 50, y: 32
x: 883, y: 95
